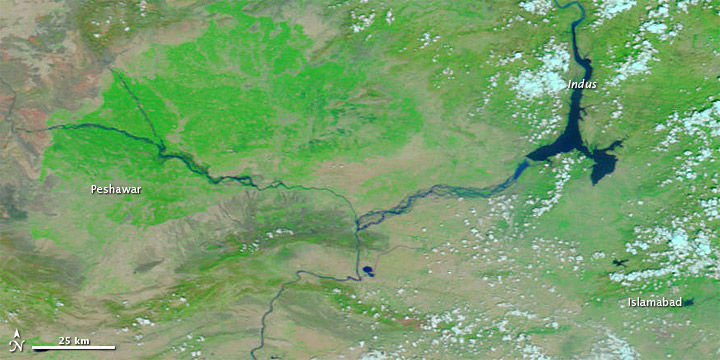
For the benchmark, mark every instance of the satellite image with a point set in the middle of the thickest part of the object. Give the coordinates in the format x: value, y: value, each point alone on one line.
x: 360, y: 179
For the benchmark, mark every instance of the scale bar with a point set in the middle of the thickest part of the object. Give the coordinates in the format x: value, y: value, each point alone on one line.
x: 70, y: 347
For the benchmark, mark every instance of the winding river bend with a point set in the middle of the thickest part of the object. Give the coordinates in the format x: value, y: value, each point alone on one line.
x: 569, y: 140
x: 376, y: 217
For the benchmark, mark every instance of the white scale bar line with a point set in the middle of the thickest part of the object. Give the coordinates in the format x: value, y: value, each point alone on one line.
x: 70, y: 347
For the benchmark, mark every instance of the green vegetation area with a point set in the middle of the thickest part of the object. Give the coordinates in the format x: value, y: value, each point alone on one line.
x: 351, y: 121
x: 244, y: 99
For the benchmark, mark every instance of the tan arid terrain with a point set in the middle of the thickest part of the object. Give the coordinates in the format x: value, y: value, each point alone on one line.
x: 360, y: 179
